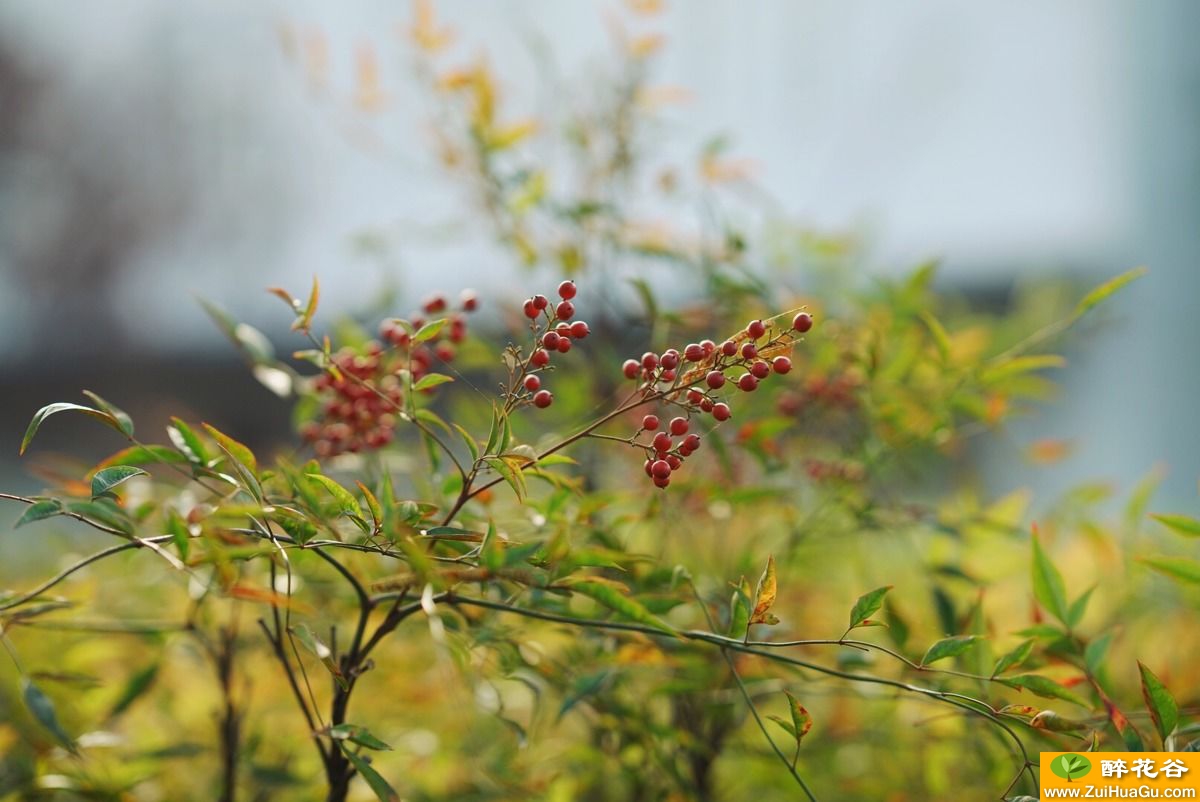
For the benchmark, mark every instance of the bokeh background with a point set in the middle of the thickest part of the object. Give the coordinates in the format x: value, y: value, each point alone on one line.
x: 153, y: 151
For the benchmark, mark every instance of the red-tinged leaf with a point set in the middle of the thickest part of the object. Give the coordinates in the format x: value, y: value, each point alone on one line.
x: 1164, y: 711
x: 256, y: 594
x: 1044, y: 687
x: 764, y: 594
x: 236, y: 450
x: 143, y: 455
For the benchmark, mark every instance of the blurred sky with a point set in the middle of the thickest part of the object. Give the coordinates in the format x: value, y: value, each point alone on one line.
x: 148, y: 149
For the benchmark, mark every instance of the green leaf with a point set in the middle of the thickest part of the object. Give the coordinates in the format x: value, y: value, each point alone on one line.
x: 237, y: 450
x: 383, y: 791
x: 143, y: 455
x: 347, y: 503
x: 372, y: 505
x: 510, y: 470
x: 615, y: 600
x: 1159, y: 701
x: 42, y: 708
x: 137, y: 685
x: 429, y: 331
x: 1044, y: 687
x: 123, y: 421
x: 938, y: 332
x: 1180, y: 568
x: 472, y: 446
x: 948, y: 647
x: 801, y: 720
x: 1106, y: 289
x: 52, y: 409
x: 739, y: 609
x: 252, y: 342
x: 39, y: 510
x: 1048, y: 585
x: 1079, y: 607
x: 1013, y: 658
x: 1181, y: 524
x: 431, y: 380
x: 1008, y: 367
x: 356, y: 734
x: 187, y: 441
x: 104, y: 481
x: 102, y: 512
x: 867, y: 604
x: 1093, y: 654
x: 315, y: 645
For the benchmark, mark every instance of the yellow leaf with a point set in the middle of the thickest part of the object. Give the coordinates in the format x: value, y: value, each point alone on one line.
x: 764, y: 595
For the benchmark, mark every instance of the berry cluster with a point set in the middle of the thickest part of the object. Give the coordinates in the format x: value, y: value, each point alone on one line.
x: 692, y: 377
x: 554, y: 332
x: 360, y: 396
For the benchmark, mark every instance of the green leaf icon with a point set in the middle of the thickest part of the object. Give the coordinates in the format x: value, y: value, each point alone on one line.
x: 1071, y: 766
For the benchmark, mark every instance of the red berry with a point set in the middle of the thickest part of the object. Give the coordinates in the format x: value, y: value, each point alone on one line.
x: 674, y: 461
x: 662, y: 442
x: 729, y: 348
x: 706, y: 404
x: 434, y: 304
x: 631, y: 368
x: 542, y: 399
x: 661, y: 469
x: 694, y: 352
x: 709, y: 346
x: 444, y: 351
x: 663, y: 483
x: 720, y: 411
x: 802, y: 322
x: 650, y: 423
x: 530, y: 310
x: 649, y: 360
x: 565, y: 310
x: 646, y: 467
x: 668, y: 375
x: 540, y: 358
x: 715, y: 379
x: 756, y: 329
x: 470, y: 301
x: 564, y: 345
x: 579, y: 330
x: 567, y: 290
x: 563, y: 329
x: 550, y: 340
x: 694, y: 396
x: 747, y: 383
x: 540, y: 301
x: 749, y: 351
x: 670, y: 359
x: 691, y: 442
x: 532, y: 383
x: 678, y: 426
x: 781, y: 364
x: 458, y: 329
x: 760, y: 370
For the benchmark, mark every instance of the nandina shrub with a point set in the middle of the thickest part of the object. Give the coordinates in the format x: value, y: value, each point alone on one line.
x: 310, y: 565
